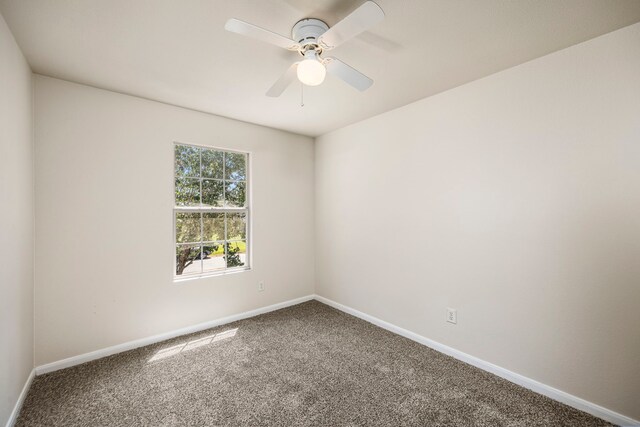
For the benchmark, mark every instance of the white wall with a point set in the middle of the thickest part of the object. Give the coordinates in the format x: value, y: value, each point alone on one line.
x: 16, y: 223
x: 104, y: 196
x: 516, y: 200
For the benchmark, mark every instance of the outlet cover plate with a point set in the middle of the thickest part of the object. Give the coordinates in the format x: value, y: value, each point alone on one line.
x: 452, y: 315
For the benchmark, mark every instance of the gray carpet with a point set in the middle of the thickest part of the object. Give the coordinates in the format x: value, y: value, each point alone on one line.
x: 304, y: 365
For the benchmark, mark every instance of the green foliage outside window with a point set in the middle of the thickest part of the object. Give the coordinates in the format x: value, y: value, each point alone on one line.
x: 207, y: 179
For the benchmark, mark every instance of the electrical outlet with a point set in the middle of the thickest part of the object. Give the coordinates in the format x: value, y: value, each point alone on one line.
x: 260, y: 286
x: 452, y: 315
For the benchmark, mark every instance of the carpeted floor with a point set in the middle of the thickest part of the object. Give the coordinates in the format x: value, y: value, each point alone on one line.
x: 304, y: 365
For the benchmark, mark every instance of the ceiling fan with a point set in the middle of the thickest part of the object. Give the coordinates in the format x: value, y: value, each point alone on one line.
x: 310, y: 38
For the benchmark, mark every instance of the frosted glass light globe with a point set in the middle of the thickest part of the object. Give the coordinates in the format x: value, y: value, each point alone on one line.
x: 311, y: 71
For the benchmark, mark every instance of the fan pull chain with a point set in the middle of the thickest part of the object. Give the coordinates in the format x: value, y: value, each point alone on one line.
x: 301, y: 94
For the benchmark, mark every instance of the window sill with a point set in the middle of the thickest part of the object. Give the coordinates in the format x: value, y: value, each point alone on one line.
x: 180, y: 279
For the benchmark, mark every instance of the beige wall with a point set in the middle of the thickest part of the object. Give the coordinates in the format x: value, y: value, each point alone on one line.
x: 16, y: 223
x: 104, y: 180
x: 514, y: 199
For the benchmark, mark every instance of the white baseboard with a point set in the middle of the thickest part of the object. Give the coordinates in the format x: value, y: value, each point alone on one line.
x: 98, y: 354
x: 23, y: 394
x: 538, y: 387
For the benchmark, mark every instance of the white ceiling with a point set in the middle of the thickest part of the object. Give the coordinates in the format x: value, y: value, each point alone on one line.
x: 179, y: 53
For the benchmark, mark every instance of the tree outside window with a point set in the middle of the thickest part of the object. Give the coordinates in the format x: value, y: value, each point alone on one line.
x: 211, y: 212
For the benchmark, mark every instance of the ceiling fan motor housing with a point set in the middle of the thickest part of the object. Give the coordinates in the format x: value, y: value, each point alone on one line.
x: 307, y: 31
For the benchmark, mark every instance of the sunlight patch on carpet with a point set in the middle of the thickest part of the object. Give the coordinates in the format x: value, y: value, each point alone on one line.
x: 191, y: 345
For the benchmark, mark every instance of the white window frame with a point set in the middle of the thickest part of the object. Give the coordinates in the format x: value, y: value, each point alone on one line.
x: 206, y: 209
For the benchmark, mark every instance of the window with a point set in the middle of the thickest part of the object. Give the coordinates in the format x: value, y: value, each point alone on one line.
x: 211, y: 211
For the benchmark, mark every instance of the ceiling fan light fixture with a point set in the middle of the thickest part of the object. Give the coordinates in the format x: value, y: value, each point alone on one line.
x: 310, y: 70
x: 312, y: 37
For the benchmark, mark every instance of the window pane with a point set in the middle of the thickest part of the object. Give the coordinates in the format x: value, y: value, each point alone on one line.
x: 235, y: 194
x: 212, y: 161
x: 187, y: 227
x: 236, y: 254
x: 187, y: 191
x: 213, y: 226
x: 236, y: 226
x: 210, y: 240
x: 188, y: 259
x: 235, y: 166
x: 187, y: 161
x: 213, y: 257
x: 212, y: 192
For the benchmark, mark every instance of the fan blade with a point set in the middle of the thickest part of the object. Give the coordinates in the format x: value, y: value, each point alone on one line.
x: 250, y: 30
x: 361, y: 19
x: 283, y: 82
x: 348, y: 74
